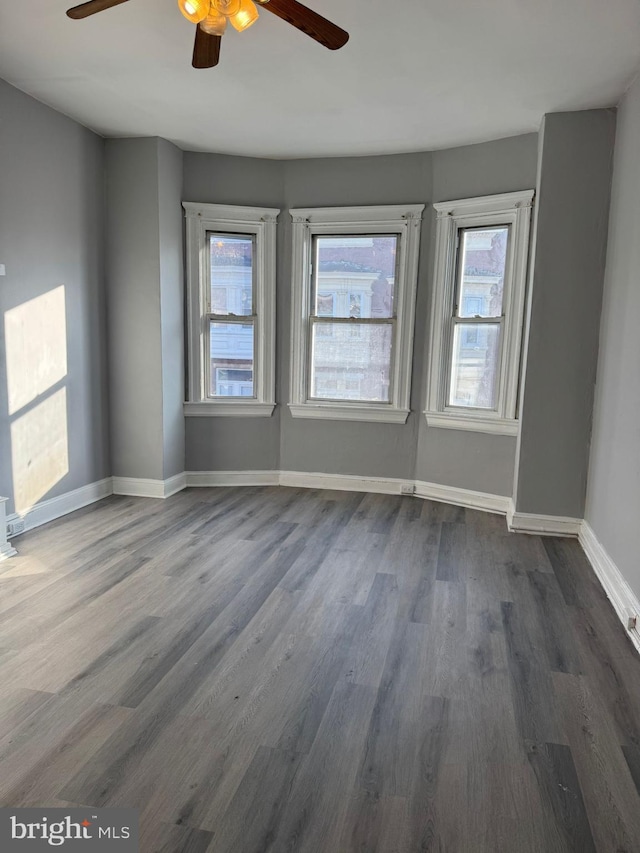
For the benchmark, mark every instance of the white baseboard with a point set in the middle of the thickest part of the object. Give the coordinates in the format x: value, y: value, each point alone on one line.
x: 462, y: 497
x: 232, y: 478
x: 52, y: 508
x: 49, y: 510
x: 6, y: 551
x: 175, y: 484
x: 296, y: 479
x: 351, y: 483
x: 620, y: 594
x: 341, y: 482
x: 542, y: 525
x: 140, y: 487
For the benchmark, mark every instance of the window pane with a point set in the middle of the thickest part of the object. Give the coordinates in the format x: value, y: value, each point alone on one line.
x: 348, y: 366
x: 483, y: 254
x: 231, y: 273
x: 475, y: 365
x: 354, y: 276
x: 231, y: 347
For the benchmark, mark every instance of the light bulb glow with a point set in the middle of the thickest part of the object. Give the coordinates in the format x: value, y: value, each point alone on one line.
x: 215, y: 24
x: 245, y: 16
x: 194, y: 10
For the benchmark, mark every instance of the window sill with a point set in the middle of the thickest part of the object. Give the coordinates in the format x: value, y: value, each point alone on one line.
x: 343, y: 412
x: 230, y: 409
x: 473, y: 423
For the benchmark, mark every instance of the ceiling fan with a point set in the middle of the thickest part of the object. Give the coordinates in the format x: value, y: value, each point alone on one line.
x: 211, y: 17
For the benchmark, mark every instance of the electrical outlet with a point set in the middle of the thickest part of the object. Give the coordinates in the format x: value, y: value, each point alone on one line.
x: 407, y: 489
x: 16, y: 527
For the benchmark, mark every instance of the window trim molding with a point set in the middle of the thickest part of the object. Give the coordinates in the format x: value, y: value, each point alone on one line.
x: 258, y: 221
x: 512, y: 209
x: 404, y: 220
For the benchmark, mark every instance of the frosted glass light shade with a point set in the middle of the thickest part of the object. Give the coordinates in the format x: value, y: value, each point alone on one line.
x: 245, y: 16
x: 215, y: 24
x: 194, y: 10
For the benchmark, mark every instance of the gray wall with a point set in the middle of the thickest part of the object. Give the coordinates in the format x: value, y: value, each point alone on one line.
x: 472, y: 460
x: 51, y: 233
x: 467, y: 460
x: 171, y: 305
x: 52, y: 228
x: 505, y: 165
x: 236, y: 444
x: 133, y: 275
x: 565, y: 300
x: 350, y: 447
x: 144, y: 279
x: 613, y: 494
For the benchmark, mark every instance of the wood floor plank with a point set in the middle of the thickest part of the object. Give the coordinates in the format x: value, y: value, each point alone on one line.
x: 434, y: 512
x: 253, y: 818
x: 368, y: 653
x: 605, y: 777
x: 423, y: 818
x: 482, y: 722
x: 308, y: 696
x: 632, y: 757
x: 317, y: 809
x: 610, y: 663
x: 161, y: 837
x: 412, y: 555
x: 446, y: 664
x: 398, y: 723
x: 511, y: 792
x: 561, y: 793
x: 531, y: 686
x: 452, y: 556
x: 342, y: 576
x: 556, y: 630
x: 57, y: 764
x: 573, y: 572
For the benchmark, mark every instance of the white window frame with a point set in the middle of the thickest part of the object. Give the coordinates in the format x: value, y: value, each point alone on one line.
x: 513, y: 209
x: 404, y: 221
x: 252, y: 221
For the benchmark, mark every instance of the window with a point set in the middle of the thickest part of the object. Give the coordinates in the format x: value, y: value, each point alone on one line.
x: 353, y: 301
x: 231, y: 277
x: 477, y: 312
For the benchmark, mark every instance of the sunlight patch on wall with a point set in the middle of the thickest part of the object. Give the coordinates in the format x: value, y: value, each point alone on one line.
x: 36, y: 358
x: 39, y: 449
x: 36, y: 346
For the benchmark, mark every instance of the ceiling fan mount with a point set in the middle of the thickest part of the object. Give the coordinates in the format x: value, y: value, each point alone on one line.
x: 211, y: 18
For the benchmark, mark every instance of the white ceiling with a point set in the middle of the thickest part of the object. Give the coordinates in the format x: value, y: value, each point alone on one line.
x: 415, y: 75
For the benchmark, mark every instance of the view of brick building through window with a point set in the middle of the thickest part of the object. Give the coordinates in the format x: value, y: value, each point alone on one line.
x: 231, y: 333
x: 478, y: 314
x: 352, y: 317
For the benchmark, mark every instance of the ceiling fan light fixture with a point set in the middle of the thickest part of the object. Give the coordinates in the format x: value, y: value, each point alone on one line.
x: 194, y: 10
x: 215, y: 24
x: 246, y: 15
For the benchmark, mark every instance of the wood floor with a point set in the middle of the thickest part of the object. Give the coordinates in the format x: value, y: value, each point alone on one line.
x: 290, y: 670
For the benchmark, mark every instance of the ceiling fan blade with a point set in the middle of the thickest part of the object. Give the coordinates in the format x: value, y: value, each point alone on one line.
x: 206, y: 50
x: 314, y: 25
x: 90, y: 8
